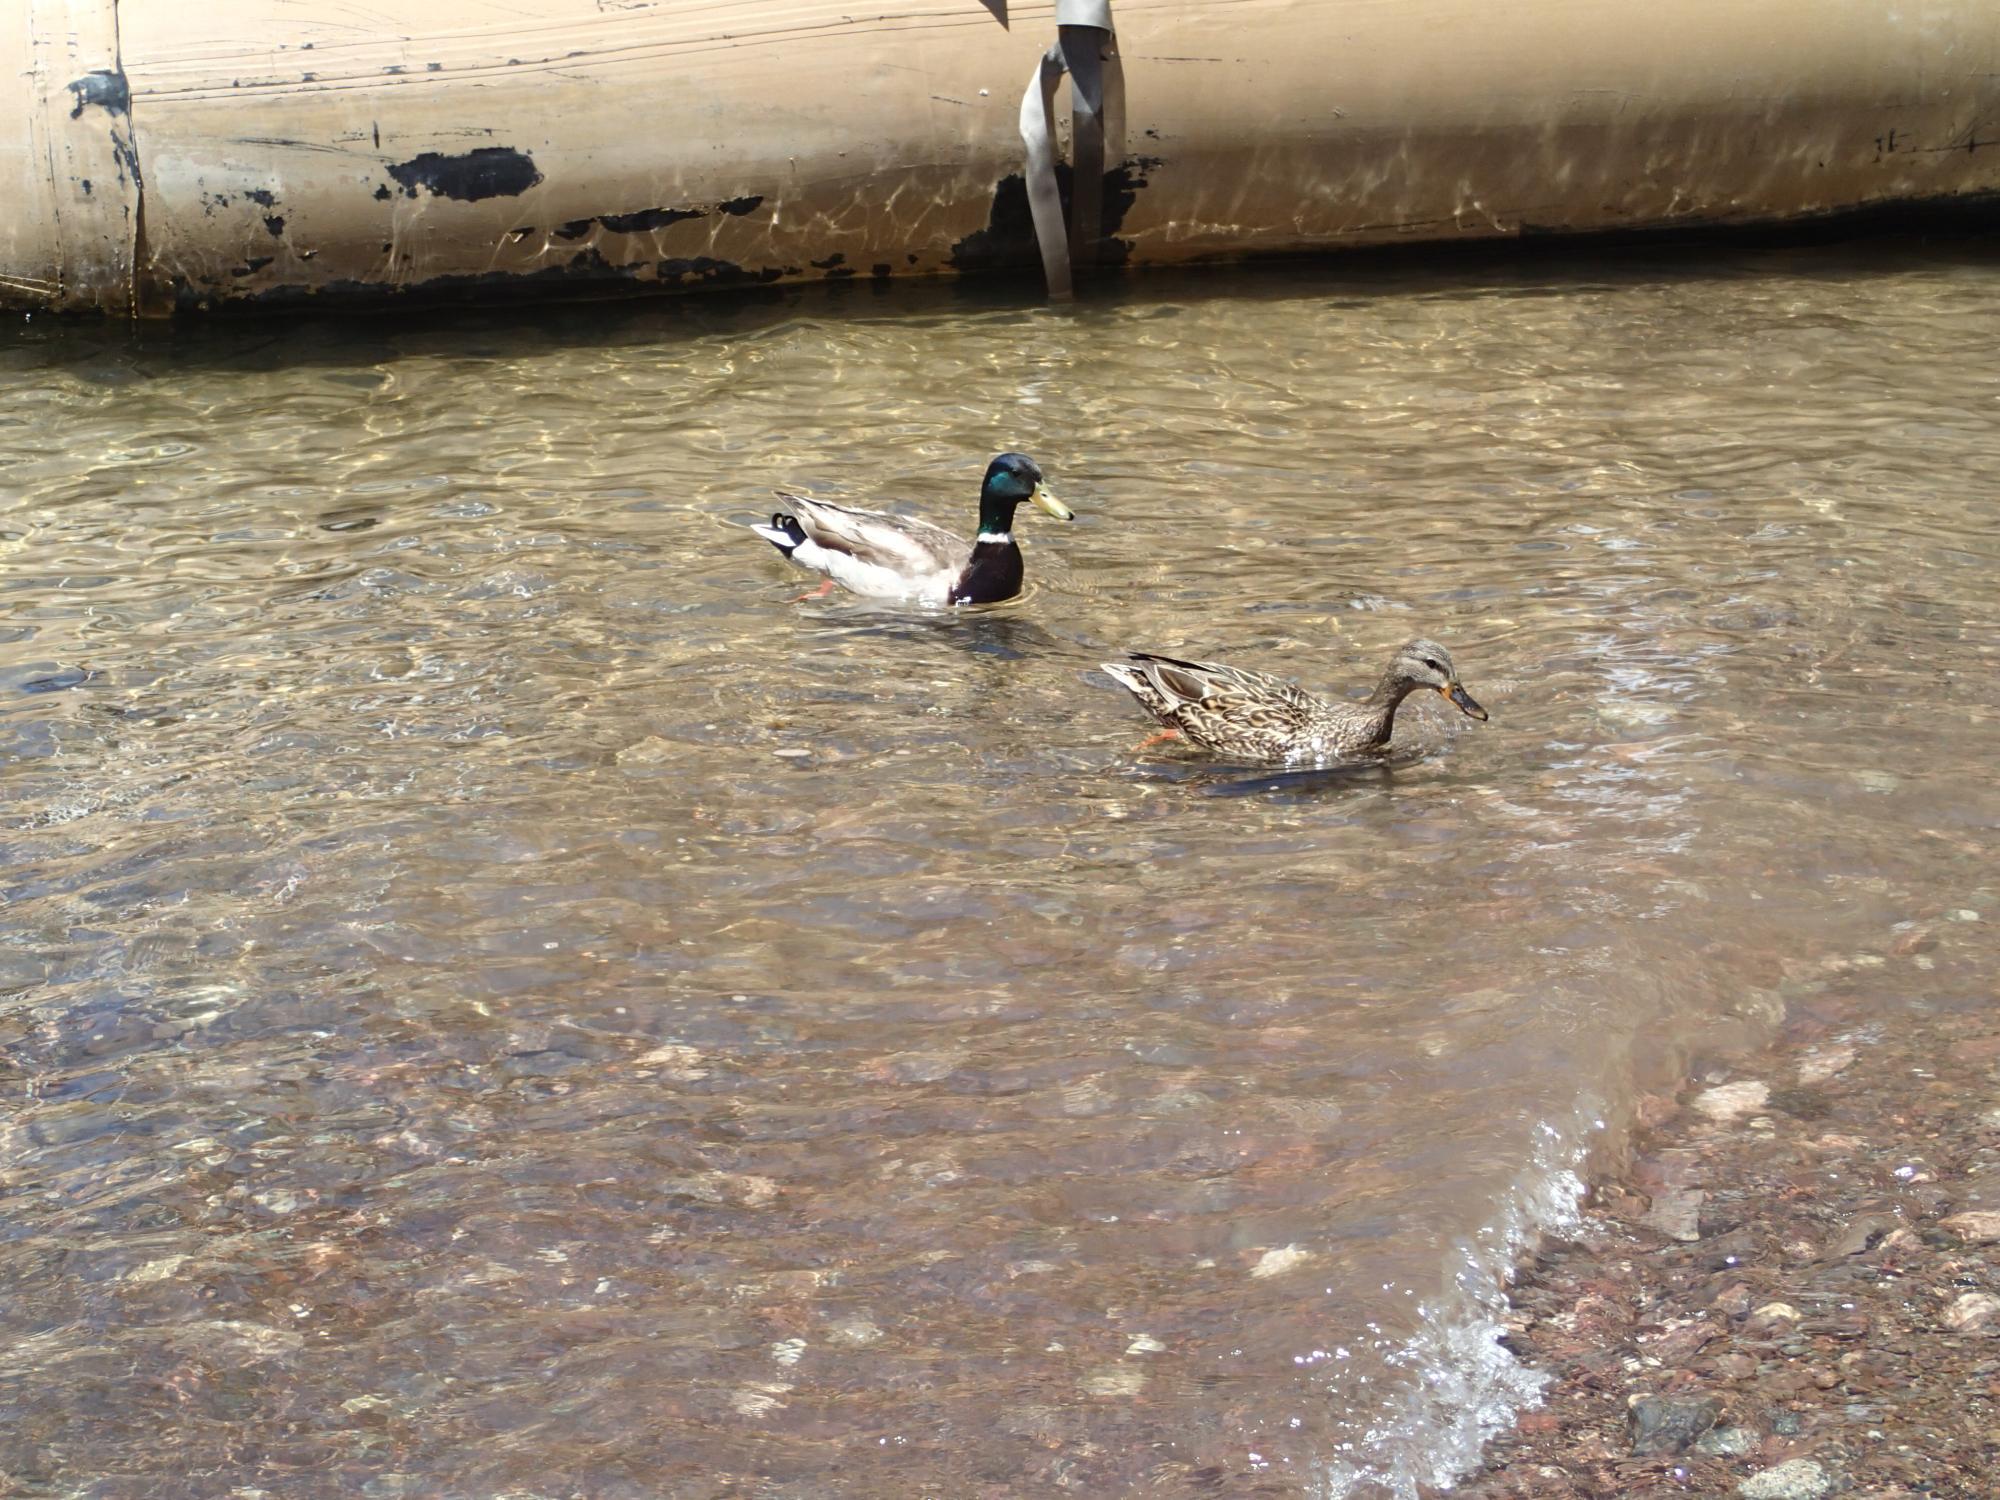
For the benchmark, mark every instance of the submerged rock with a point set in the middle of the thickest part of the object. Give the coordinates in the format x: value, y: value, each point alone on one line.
x: 1662, y: 1426
x: 1732, y: 1101
x: 1277, y: 1262
x: 1676, y: 1213
x: 1725, y: 1251
x: 1817, y: 1067
x: 1864, y: 1233
x: 1972, y: 1313
x: 1776, y: 1312
x: 1981, y: 1190
x: 1728, y: 1442
x: 1977, y: 1228
x: 1796, y: 1479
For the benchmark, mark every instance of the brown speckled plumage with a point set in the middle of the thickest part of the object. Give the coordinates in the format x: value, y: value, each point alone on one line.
x: 1255, y: 716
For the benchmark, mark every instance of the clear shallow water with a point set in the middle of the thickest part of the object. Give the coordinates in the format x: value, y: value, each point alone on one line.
x: 499, y: 999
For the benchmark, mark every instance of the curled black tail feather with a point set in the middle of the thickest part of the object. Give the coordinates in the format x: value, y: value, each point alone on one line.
x: 785, y: 533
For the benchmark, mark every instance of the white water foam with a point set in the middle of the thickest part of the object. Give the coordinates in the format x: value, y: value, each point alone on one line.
x: 1464, y: 1387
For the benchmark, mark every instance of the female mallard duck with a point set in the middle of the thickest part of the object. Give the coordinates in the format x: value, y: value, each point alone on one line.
x: 893, y: 557
x: 1254, y: 716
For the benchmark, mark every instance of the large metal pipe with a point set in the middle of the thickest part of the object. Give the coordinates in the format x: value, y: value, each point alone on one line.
x: 159, y: 156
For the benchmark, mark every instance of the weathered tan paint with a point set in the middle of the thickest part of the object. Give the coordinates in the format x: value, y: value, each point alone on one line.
x: 282, y: 154
x: 69, y: 196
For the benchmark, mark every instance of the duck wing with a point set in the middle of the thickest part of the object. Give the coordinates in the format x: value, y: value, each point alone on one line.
x: 1215, y: 684
x: 1210, y: 694
x: 897, y: 544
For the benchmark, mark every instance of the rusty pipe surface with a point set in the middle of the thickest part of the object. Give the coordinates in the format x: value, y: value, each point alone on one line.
x: 160, y: 157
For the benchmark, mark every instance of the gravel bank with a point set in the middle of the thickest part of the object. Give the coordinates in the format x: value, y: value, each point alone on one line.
x: 1794, y: 1290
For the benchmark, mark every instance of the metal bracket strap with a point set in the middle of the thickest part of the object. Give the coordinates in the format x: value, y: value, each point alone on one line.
x: 1086, y: 49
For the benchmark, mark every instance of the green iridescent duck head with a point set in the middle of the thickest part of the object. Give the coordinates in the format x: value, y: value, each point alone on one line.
x: 1013, y: 479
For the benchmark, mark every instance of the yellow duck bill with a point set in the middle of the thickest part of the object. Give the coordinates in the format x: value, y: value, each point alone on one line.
x: 1048, y: 504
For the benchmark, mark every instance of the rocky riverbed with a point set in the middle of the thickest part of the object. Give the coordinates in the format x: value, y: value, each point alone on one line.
x: 1794, y: 1289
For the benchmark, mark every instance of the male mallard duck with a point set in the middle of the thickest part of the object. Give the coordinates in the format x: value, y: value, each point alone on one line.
x: 1255, y: 716
x: 892, y: 557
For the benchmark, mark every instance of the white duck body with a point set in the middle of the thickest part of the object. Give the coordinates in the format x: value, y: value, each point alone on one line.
x: 882, y: 556
x: 871, y: 552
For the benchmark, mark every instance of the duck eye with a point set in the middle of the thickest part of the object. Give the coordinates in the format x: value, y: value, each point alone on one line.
x: 1434, y: 666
